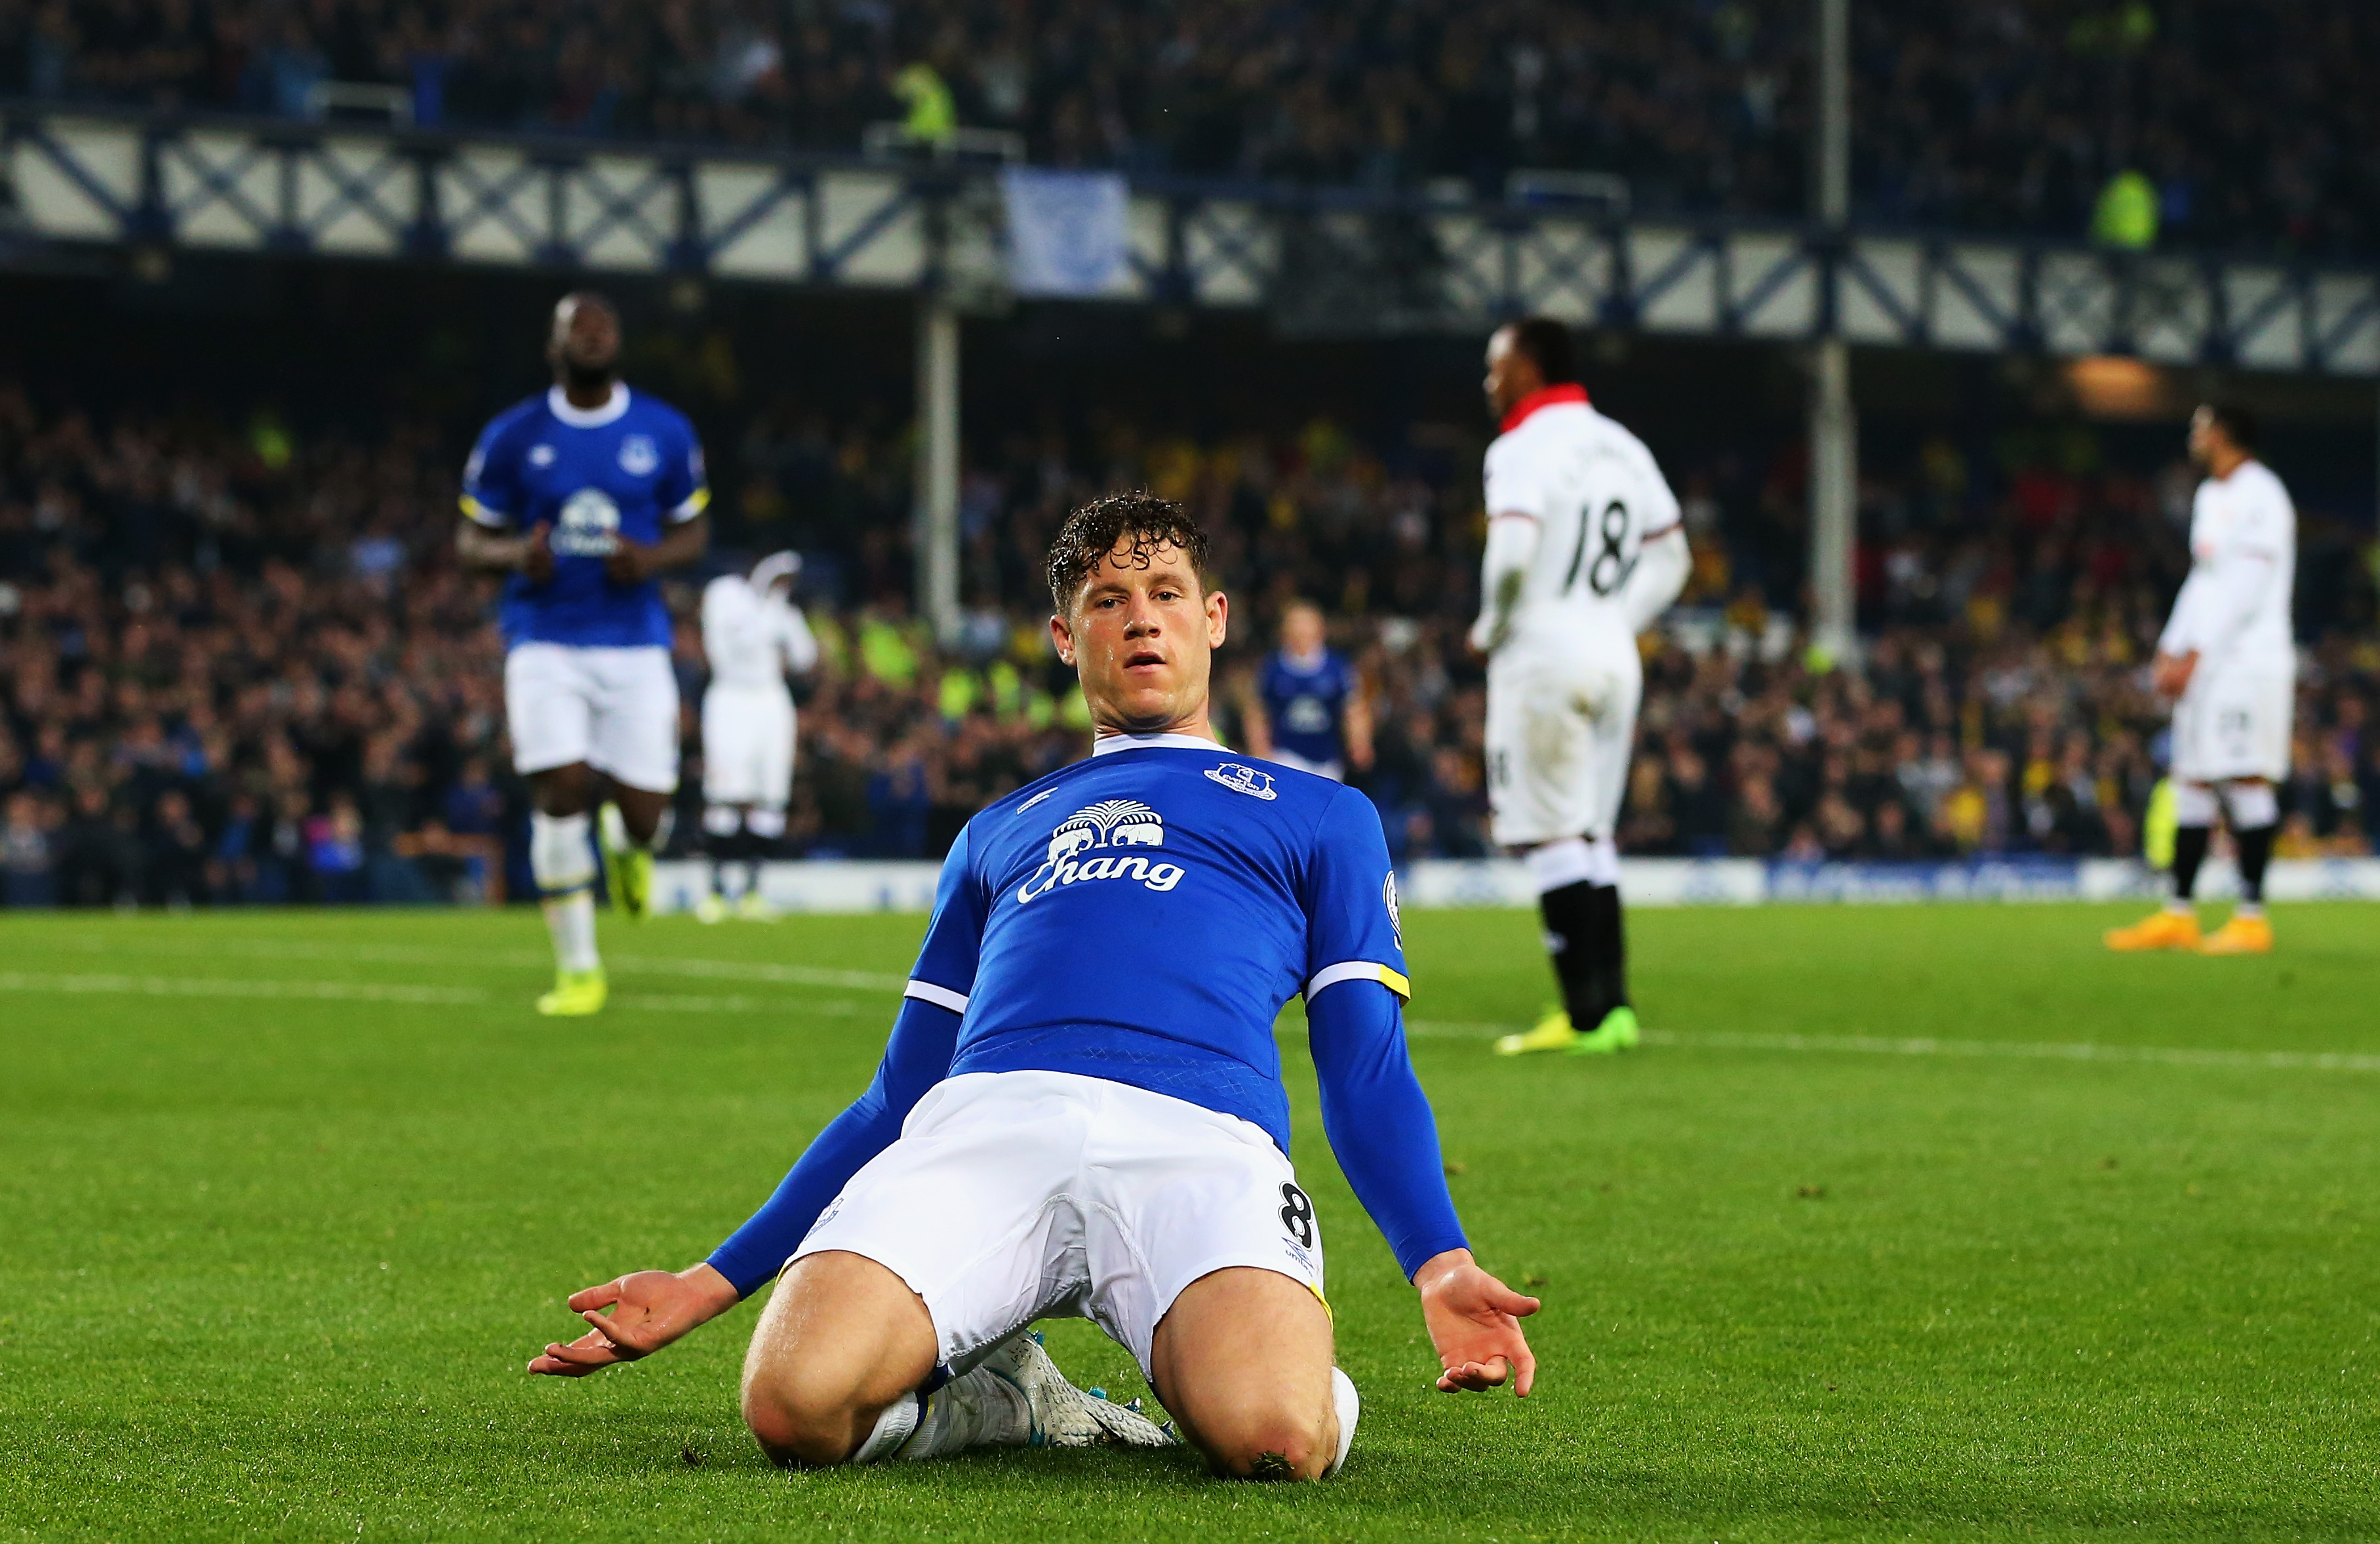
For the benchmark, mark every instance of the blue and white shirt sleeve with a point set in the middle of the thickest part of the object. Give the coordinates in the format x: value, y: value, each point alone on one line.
x: 1373, y: 1108
x: 491, y: 478
x: 1353, y: 930
x: 683, y: 489
x: 925, y: 1038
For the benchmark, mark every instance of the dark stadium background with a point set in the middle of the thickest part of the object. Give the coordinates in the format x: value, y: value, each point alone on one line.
x: 236, y: 663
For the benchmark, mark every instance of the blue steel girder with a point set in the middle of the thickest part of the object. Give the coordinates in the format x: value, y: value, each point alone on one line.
x: 358, y: 193
x: 275, y: 185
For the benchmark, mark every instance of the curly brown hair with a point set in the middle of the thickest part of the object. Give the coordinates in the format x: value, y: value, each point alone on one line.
x: 1091, y: 533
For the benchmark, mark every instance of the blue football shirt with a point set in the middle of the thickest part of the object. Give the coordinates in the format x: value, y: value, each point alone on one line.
x: 1307, y: 706
x: 593, y: 475
x: 1143, y: 916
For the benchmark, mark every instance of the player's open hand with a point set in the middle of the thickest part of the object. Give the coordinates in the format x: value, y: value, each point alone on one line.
x: 630, y: 562
x: 536, y: 557
x: 650, y: 1309
x: 1475, y: 1322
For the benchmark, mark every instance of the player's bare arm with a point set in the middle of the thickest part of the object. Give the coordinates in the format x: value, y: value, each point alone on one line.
x: 2170, y: 673
x: 635, y: 561
x: 1357, y: 724
x: 491, y: 552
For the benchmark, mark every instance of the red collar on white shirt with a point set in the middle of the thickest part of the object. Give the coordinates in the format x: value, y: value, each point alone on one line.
x: 1544, y: 396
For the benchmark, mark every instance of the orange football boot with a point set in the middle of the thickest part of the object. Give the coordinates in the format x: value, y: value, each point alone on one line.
x: 2163, y: 930
x: 2241, y: 935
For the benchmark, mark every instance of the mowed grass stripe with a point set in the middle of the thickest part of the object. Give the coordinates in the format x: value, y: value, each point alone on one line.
x: 363, y: 991
x: 2036, y: 1050
x: 398, y: 954
x: 213, y: 985
x: 379, y: 992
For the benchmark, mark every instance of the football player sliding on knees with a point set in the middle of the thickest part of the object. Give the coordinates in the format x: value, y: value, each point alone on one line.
x: 1038, y: 1143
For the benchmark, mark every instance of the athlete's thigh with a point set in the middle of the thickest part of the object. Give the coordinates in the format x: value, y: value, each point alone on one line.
x: 1244, y: 1351
x: 1610, y: 739
x: 633, y: 738
x: 549, y: 706
x: 1535, y: 743
x: 777, y: 757
x: 2234, y: 724
x: 970, y: 1209
x: 731, y: 749
x: 1549, y: 736
x: 1178, y: 1193
x: 839, y: 1329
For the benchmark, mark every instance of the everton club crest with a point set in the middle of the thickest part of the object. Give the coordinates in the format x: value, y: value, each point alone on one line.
x: 1244, y: 780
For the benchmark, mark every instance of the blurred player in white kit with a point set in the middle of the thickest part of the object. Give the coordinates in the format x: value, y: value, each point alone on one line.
x: 753, y: 633
x: 1584, y: 549
x: 2228, y: 657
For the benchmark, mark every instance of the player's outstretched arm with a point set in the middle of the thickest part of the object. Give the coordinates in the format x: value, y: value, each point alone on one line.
x: 1385, y: 1140
x: 1475, y: 1322
x: 649, y: 1309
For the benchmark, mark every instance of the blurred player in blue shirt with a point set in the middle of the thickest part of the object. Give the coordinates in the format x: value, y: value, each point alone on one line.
x: 580, y: 496
x: 1307, y: 711
x: 1081, y: 1110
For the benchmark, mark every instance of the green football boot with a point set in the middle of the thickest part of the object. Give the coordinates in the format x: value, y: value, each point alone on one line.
x: 1617, y: 1032
x: 1553, y: 1033
x: 628, y: 867
x: 576, y: 994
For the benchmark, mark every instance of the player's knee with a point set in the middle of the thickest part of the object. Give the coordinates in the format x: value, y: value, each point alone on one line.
x: 800, y: 1424
x: 1269, y: 1441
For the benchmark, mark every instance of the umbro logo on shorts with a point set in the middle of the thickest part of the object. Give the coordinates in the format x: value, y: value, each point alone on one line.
x: 1244, y: 780
x: 1075, y: 856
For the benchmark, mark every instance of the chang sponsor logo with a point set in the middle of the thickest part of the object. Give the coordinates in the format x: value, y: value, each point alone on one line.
x: 1085, y: 847
x: 589, y: 526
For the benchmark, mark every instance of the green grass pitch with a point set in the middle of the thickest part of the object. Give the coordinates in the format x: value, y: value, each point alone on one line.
x: 288, y: 1199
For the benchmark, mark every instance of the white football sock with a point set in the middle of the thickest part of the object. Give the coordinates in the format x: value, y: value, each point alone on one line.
x: 570, y: 920
x: 565, y: 869
x: 979, y: 1409
x: 721, y: 819
x: 975, y: 1410
x: 1350, y: 1407
x: 765, y: 823
x: 892, y: 1429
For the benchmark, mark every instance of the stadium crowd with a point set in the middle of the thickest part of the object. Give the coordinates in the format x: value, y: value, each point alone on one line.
x: 2247, y: 118
x: 236, y: 664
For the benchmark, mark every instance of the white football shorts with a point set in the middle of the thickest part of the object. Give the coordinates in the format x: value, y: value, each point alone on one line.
x: 1011, y: 1197
x: 2234, y: 723
x: 1561, y: 723
x: 747, y: 744
x: 614, y: 709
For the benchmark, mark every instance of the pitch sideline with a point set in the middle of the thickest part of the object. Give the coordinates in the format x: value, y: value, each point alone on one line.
x: 2029, y: 1050
x: 1717, y: 1040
